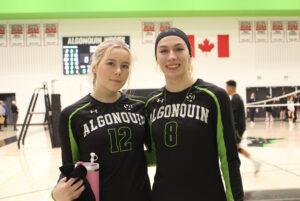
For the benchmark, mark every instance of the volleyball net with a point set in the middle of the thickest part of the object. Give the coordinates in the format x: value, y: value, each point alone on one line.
x: 277, y: 101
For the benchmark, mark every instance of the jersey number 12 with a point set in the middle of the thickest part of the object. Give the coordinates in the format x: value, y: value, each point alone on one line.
x: 120, y: 139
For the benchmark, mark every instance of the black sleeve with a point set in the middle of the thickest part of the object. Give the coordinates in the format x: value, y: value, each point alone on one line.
x: 242, y: 116
x: 239, y: 115
x: 151, y: 150
x: 148, y: 142
x: 66, y: 151
x: 230, y: 162
x: 235, y: 110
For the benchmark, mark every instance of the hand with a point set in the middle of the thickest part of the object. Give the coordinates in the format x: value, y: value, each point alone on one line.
x: 67, y: 191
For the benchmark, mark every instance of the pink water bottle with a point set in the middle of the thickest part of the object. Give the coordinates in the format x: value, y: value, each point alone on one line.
x: 92, y: 174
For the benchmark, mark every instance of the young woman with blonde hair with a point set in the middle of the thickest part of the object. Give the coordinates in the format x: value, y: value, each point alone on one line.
x: 112, y: 125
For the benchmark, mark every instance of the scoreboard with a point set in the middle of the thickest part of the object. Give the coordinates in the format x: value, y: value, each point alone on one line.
x: 77, y: 52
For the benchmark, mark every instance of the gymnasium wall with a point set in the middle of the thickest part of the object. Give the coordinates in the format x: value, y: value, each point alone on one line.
x: 251, y: 64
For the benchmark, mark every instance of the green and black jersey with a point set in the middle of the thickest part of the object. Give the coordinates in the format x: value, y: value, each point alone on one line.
x: 190, y: 138
x: 116, y: 133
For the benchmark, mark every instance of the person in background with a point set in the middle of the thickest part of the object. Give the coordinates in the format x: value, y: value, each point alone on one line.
x: 252, y: 110
x: 15, y: 113
x: 283, y: 108
x: 238, y: 110
x: 298, y: 107
x: 192, y: 130
x: 112, y: 125
x: 2, y: 114
x: 6, y: 114
x: 291, y: 110
x: 269, y: 110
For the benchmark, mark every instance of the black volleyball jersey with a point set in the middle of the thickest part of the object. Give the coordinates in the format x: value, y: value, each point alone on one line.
x: 116, y: 133
x: 191, y: 131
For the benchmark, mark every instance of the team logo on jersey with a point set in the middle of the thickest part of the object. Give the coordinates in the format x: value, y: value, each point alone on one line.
x: 184, y: 110
x: 160, y: 100
x: 94, y: 111
x: 128, y: 107
x: 111, y: 119
x: 190, y: 98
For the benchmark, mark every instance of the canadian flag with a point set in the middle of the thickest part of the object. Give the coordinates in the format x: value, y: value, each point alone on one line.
x: 192, y: 43
x: 222, y: 44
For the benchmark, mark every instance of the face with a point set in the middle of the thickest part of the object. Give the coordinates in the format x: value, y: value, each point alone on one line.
x: 252, y: 95
x: 112, y: 71
x: 173, y: 56
x: 229, y: 89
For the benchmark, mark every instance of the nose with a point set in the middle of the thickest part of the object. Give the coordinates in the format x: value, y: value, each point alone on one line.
x: 118, y: 70
x: 172, y: 55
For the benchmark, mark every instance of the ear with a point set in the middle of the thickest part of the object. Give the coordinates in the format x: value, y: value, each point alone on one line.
x: 94, y: 69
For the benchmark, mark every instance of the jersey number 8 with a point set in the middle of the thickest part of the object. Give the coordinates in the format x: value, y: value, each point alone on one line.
x: 170, y: 135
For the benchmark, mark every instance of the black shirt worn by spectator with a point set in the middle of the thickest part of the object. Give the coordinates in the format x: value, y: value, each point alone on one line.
x: 14, y: 109
x: 238, y: 115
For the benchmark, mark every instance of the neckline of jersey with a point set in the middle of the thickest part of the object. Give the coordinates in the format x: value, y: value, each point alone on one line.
x: 182, y: 91
x: 99, y: 102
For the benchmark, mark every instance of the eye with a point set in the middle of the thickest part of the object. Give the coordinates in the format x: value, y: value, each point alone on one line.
x: 110, y: 63
x: 179, y: 49
x: 163, y: 51
x: 125, y: 66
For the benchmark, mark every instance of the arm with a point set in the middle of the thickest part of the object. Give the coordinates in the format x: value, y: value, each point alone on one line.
x: 66, y: 190
x: 150, y: 152
x: 241, y: 119
x: 64, y: 135
x: 230, y: 162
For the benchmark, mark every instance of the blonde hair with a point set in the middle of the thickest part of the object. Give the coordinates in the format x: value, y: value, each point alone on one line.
x: 191, y: 66
x: 104, y: 49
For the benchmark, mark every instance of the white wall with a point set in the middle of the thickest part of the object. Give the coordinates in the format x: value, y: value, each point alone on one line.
x: 24, y: 68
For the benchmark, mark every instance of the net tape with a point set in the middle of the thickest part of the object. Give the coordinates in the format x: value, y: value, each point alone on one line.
x: 262, y: 103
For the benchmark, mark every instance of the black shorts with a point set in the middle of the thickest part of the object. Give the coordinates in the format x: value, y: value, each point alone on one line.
x: 268, y: 109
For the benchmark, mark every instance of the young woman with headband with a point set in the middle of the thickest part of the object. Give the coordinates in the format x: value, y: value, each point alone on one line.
x: 192, y: 130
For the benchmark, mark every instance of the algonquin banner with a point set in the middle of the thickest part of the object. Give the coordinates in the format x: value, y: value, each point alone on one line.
x: 277, y: 31
x: 33, y: 35
x: 292, y: 31
x: 149, y: 31
x: 16, y: 35
x: 245, y: 31
x: 50, y: 34
x: 3, y: 35
x: 261, y: 31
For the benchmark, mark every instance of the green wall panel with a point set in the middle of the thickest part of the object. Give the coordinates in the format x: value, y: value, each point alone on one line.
x: 46, y: 9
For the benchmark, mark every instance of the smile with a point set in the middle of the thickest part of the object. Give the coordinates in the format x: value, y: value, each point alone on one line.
x: 117, y: 81
x: 173, y: 66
